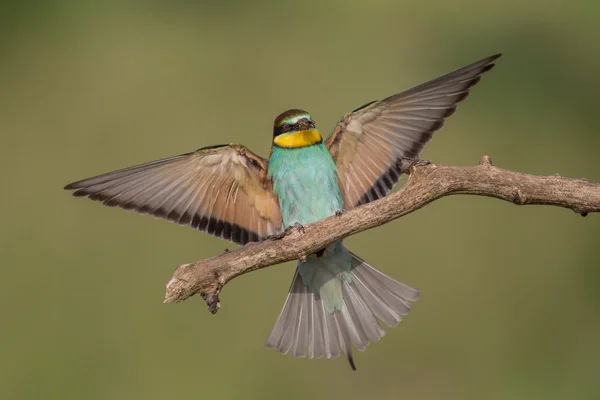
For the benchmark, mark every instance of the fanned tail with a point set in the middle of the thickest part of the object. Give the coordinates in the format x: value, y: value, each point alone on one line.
x: 306, y: 328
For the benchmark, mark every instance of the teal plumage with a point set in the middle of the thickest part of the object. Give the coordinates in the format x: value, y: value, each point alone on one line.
x: 304, y: 180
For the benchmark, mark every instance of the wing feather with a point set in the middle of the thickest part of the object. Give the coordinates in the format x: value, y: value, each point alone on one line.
x: 222, y: 190
x: 368, y: 144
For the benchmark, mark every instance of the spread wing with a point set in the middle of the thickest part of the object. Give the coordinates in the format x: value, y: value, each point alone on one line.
x: 368, y: 143
x: 222, y: 190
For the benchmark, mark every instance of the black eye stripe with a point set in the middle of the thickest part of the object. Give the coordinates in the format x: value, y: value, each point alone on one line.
x: 285, y: 128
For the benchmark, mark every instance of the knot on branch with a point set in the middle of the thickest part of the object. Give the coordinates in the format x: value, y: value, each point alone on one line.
x: 408, y: 165
x: 486, y: 161
x: 519, y: 198
x: 212, y: 301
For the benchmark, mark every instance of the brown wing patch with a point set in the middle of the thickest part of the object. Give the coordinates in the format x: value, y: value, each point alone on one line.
x: 368, y: 144
x: 222, y: 190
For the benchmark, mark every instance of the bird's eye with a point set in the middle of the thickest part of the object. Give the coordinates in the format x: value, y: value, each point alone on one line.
x: 286, y: 127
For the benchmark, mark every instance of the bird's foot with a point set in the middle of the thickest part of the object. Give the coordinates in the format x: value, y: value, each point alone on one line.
x: 298, y: 227
x: 339, y: 213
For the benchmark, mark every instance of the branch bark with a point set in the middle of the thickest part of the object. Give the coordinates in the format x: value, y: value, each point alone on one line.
x: 427, y: 182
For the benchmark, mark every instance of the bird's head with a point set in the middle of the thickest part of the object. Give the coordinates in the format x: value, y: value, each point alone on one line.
x: 295, y: 128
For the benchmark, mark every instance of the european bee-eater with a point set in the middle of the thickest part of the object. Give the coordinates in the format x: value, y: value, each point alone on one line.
x: 335, y: 297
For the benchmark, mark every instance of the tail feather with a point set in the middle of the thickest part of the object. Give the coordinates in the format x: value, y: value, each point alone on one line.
x: 346, y: 332
x: 307, y: 329
x: 281, y: 334
x: 363, y: 316
x: 302, y: 327
x: 316, y: 343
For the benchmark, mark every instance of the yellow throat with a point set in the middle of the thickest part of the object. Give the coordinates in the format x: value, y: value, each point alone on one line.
x: 298, y: 139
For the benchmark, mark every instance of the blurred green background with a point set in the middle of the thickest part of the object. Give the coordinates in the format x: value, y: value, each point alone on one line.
x: 510, y: 305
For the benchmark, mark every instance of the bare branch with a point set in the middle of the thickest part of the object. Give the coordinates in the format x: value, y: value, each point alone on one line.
x: 427, y: 182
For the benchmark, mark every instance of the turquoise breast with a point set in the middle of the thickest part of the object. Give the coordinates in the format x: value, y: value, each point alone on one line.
x: 305, y: 181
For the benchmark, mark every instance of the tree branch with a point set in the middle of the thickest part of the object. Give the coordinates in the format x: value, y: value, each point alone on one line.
x: 427, y: 182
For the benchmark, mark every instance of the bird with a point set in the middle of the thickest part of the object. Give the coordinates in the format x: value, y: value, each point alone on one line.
x: 336, y: 299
